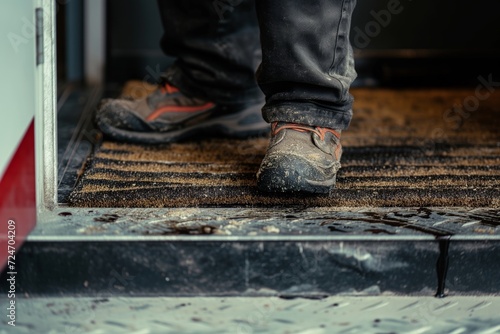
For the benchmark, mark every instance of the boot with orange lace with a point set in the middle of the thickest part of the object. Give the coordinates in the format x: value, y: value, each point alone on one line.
x: 300, y: 159
x: 168, y: 115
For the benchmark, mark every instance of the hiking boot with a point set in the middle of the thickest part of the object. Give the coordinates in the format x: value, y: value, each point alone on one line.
x: 167, y: 115
x: 300, y: 158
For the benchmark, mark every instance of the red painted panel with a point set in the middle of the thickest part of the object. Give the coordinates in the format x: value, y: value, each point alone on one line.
x: 18, y: 195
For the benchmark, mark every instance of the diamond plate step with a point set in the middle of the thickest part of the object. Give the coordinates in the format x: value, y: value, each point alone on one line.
x: 346, y: 315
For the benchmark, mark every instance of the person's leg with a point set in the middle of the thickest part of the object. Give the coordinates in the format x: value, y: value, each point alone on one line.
x: 306, y: 71
x: 216, y: 47
x: 211, y: 87
x: 307, y: 63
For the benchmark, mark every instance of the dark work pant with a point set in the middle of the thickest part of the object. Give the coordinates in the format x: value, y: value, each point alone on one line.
x: 306, y: 63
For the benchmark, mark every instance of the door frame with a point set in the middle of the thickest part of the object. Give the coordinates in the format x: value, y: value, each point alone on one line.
x: 46, y: 115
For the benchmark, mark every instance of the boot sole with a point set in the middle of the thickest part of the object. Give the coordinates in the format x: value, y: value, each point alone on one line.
x: 286, y: 175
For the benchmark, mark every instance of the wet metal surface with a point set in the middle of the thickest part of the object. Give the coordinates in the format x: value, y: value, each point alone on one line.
x: 427, y: 223
x: 238, y: 315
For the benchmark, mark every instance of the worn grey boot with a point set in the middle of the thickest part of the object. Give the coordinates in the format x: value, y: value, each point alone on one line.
x: 300, y: 158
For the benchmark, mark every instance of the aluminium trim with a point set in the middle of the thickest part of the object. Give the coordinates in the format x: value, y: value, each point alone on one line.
x: 45, y: 115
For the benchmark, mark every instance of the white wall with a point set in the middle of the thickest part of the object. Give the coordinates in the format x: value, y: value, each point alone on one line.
x: 17, y: 74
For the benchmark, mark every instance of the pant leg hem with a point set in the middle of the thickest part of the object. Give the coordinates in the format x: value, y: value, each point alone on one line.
x: 308, y: 114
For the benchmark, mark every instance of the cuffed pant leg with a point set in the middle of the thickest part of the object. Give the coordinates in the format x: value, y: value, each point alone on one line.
x: 307, y: 61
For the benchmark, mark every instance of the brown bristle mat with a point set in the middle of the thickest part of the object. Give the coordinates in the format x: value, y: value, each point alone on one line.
x: 404, y: 148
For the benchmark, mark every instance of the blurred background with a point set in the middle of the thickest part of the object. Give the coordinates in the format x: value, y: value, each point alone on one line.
x: 426, y: 43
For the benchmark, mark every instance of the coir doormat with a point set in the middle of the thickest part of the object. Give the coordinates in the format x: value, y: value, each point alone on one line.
x: 404, y: 148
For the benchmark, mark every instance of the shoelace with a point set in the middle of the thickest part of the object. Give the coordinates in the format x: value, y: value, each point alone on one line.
x: 321, y: 132
x: 167, y: 88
